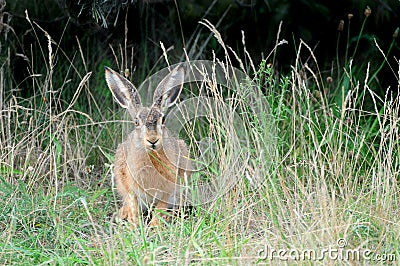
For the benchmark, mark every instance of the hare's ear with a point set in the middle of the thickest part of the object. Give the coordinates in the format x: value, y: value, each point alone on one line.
x: 123, y: 91
x: 169, y: 89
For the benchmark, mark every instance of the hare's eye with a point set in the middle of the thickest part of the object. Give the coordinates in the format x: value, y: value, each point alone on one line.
x: 136, y: 121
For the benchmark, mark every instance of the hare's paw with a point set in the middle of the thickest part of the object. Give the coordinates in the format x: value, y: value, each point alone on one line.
x: 160, y: 218
x: 155, y: 222
x: 129, y: 214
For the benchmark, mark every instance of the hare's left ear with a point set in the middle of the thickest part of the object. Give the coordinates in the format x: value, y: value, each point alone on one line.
x: 169, y: 89
x: 123, y: 90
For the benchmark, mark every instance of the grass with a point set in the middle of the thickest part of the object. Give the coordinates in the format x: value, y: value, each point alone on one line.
x: 329, y: 175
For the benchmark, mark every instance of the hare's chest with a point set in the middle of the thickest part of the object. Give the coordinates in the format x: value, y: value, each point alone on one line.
x: 152, y: 172
x: 163, y: 166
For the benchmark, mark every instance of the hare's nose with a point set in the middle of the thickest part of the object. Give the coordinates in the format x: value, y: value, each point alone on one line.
x: 153, y: 143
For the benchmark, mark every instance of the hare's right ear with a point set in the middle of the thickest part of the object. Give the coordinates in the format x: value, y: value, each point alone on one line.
x: 122, y: 89
x: 169, y: 89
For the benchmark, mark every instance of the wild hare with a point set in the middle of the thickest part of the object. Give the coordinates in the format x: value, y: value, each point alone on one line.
x: 150, y: 164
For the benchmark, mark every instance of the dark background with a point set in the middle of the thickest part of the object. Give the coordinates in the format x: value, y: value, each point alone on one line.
x: 101, y: 24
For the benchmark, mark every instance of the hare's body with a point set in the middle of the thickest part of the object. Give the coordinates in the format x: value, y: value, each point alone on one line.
x: 151, y: 173
x: 150, y: 164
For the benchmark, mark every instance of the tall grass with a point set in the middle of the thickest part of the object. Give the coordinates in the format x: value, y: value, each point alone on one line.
x: 330, y: 180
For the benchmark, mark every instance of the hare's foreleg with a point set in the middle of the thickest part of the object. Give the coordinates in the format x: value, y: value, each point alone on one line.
x: 130, y: 210
x: 125, y: 184
x: 162, y: 206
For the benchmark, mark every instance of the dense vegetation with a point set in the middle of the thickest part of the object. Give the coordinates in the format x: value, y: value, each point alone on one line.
x: 329, y: 180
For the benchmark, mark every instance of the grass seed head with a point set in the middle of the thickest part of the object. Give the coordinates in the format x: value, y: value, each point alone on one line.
x: 367, y: 11
x: 341, y: 25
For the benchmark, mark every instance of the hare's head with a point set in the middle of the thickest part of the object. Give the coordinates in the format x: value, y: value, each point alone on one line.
x: 148, y: 120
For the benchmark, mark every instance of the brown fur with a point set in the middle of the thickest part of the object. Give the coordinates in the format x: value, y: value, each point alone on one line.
x: 150, y: 163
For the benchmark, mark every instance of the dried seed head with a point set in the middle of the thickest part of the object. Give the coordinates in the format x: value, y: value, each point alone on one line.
x: 329, y: 79
x: 127, y: 73
x: 367, y: 11
x: 303, y: 74
x: 349, y: 16
x: 396, y: 33
x: 341, y: 24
